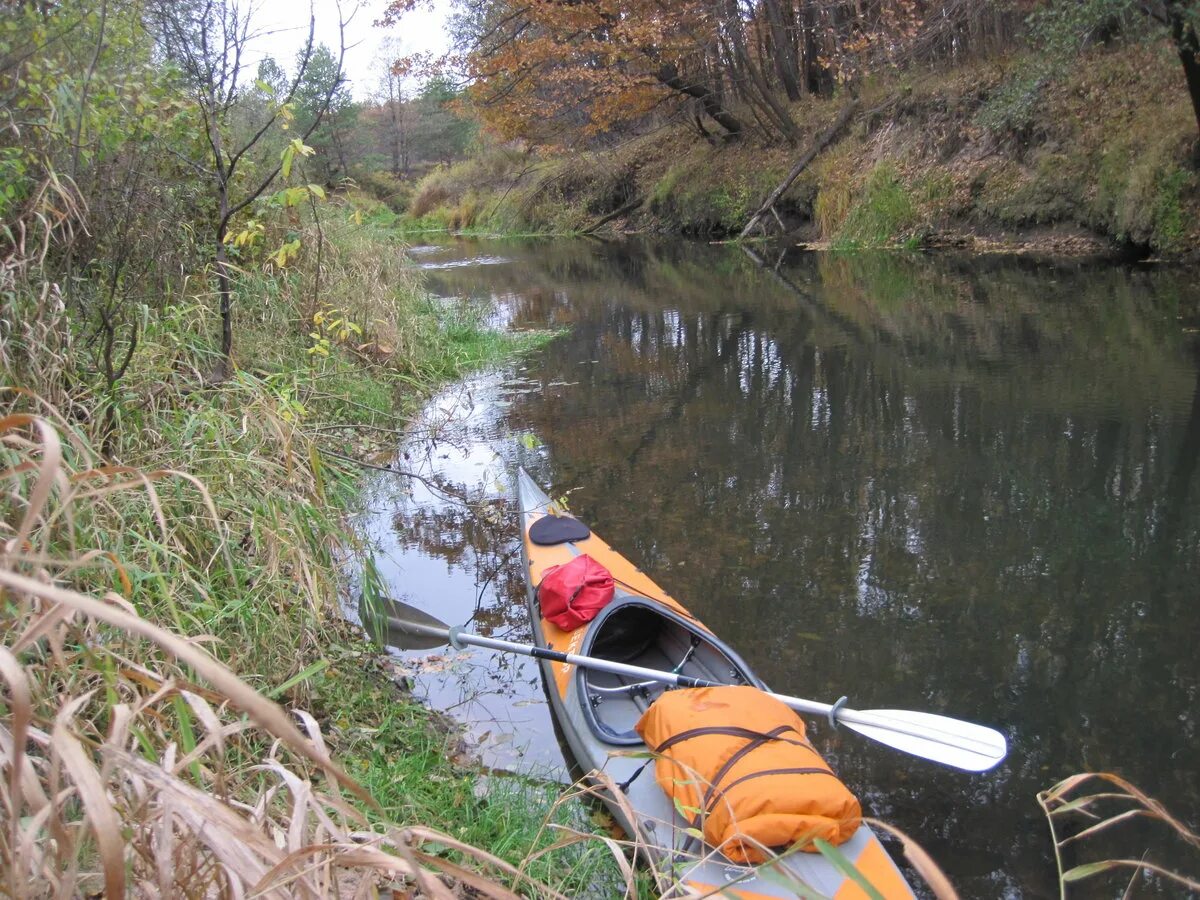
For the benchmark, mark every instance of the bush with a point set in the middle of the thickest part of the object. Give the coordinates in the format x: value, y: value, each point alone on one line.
x: 1059, y: 32
x: 1011, y: 108
x: 1170, y: 221
x: 431, y: 192
x: 385, y: 187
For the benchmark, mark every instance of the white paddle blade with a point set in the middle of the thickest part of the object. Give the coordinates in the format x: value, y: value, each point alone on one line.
x: 952, y: 742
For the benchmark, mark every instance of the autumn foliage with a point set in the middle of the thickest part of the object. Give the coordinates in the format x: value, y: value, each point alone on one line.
x: 556, y: 70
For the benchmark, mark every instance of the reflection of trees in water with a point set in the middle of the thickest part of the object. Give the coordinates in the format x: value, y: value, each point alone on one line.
x: 1061, y: 336
x: 478, y: 535
x: 936, y: 314
x: 979, y: 498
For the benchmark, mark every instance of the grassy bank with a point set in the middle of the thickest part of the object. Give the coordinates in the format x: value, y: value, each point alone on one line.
x: 991, y: 154
x: 196, y: 527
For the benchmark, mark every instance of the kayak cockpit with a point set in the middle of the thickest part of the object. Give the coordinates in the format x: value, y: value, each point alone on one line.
x: 642, y: 633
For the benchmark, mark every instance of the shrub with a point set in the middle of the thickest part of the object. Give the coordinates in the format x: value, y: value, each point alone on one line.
x: 386, y: 188
x: 431, y: 193
x: 1010, y: 109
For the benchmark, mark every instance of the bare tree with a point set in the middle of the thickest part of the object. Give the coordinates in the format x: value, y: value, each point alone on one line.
x: 208, y: 40
x: 1182, y: 20
x: 391, y: 99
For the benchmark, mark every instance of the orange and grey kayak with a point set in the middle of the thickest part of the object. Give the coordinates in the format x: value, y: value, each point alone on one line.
x: 643, y: 626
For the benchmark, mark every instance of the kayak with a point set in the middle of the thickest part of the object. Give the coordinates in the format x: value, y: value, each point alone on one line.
x: 597, y: 712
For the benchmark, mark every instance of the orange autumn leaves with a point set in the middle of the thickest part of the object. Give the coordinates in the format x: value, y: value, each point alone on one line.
x: 547, y: 70
x: 554, y: 71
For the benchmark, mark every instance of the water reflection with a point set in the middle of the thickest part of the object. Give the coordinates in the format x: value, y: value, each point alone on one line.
x: 446, y: 543
x: 962, y: 485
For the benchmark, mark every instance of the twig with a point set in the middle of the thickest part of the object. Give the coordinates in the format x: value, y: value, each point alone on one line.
x: 432, y: 485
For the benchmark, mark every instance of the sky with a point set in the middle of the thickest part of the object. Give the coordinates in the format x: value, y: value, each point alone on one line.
x: 285, y: 23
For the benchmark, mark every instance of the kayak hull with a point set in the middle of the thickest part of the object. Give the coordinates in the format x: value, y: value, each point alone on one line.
x: 645, y: 626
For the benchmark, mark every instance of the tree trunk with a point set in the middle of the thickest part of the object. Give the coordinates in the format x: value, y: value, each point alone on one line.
x: 815, y: 75
x: 221, y: 257
x: 785, y: 49
x: 224, y: 282
x: 339, y: 150
x: 787, y: 126
x: 619, y: 211
x: 1188, y: 45
x: 668, y: 75
x: 818, y: 145
x: 225, y: 291
x: 750, y: 78
x: 395, y: 147
x: 395, y: 133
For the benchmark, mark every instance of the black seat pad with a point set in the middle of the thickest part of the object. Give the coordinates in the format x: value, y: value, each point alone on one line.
x: 557, y: 530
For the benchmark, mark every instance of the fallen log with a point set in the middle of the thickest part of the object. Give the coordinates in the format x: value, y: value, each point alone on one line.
x: 823, y: 140
x: 604, y: 220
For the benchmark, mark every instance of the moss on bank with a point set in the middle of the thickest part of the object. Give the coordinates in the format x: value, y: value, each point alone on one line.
x: 1106, y: 151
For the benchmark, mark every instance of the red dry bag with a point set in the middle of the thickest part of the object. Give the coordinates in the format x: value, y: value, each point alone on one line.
x: 574, y: 592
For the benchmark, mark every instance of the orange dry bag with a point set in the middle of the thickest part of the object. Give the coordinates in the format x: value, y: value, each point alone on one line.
x: 738, y: 761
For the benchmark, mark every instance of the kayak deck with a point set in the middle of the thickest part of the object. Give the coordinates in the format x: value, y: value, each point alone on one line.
x: 597, y: 712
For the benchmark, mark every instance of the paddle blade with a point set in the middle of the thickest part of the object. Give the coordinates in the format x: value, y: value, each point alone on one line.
x: 385, y: 621
x: 952, y: 742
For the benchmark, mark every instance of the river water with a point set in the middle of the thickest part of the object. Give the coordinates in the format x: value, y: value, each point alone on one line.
x: 965, y: 485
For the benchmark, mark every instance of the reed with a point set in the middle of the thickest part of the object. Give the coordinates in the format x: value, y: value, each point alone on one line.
x: 133, y: 760
x: 119, y: 734
x: 1089, y: 806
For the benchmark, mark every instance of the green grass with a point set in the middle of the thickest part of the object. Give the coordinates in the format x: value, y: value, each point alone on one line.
x: 883, y: 215
x: 405, y: 759
x: 508, y: 816
x: 1170, y: 218
x: 664, y: 188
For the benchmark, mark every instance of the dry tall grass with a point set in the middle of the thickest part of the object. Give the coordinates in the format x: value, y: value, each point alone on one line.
x: 1089, y: 804
x: 131, y: 760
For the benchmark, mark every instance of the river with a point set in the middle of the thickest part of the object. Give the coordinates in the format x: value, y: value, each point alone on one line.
x: 965, y: 485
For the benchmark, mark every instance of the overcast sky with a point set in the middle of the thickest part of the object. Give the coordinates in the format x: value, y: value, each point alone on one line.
x: 420, y: 31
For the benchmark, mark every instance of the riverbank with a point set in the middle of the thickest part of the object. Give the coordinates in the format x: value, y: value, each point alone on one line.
x: 1098, y: 160
x: 215, y: 511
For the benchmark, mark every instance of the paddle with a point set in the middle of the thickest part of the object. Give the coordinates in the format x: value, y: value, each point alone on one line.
x: 941, y: 739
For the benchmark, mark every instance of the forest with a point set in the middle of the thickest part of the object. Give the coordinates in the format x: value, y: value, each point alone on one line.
x: 860, y: 123
x: 208, y: 331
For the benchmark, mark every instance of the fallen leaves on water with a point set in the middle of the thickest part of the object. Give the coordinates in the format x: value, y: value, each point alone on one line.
x: 433, y: 664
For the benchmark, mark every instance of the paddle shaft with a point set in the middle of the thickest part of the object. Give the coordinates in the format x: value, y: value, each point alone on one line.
x: 850, y: 716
